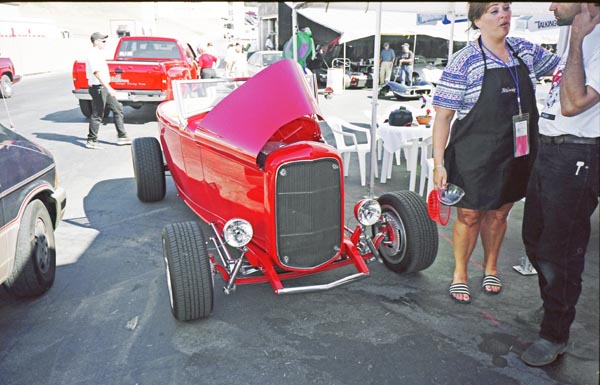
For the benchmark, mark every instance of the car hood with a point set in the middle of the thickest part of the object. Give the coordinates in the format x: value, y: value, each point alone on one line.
x: 20, y: 159
x: 251, y: 114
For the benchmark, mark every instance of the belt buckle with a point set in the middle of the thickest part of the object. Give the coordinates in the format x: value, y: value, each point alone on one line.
x: 559, y: 139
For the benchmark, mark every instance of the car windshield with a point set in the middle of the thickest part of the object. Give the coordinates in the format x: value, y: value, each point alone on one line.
x: 197, y: 96
x: 270, y: 58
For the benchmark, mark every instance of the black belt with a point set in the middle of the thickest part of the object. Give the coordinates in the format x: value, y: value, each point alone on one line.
x: 570, y: 139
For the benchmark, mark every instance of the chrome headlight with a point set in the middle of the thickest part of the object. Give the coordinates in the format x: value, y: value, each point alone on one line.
x: 367, y: 211
x: 237, y: 232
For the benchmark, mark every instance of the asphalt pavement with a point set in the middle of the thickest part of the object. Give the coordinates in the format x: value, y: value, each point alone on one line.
x: 107, y: 320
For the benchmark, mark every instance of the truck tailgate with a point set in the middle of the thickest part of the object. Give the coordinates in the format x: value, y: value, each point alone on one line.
x: 133, y: 75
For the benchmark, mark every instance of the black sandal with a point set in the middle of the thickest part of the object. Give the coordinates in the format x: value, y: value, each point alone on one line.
x: 460, y: 288
x: 491, y: 280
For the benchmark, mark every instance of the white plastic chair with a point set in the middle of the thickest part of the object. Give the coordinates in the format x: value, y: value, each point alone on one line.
x: 426, y: 154
x: 429, y: 171
x: 337, y: 126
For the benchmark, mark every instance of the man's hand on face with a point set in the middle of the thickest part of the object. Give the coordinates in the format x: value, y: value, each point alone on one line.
x: 584, y: 23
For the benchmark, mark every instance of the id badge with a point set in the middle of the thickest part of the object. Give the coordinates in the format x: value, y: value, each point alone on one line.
x: 521, y: 134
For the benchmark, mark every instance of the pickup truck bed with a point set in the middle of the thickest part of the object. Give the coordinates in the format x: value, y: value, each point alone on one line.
x: 142, y: 71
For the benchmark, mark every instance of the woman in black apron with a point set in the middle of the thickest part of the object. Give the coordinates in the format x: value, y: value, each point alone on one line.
x: 481, y: 156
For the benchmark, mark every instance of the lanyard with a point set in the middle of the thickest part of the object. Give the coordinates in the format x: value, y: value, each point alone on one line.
x: 514, y: 76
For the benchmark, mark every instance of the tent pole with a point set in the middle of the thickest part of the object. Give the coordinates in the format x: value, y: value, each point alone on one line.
x: 294, y: 30
x: 374, y: 100
x: 344, y: 69
x: 451, y: 41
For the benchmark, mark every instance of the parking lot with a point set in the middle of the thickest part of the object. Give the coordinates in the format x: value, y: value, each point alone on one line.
x: 107, y: 319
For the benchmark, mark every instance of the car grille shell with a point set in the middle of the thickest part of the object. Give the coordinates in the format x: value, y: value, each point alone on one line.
x: 308, y: 212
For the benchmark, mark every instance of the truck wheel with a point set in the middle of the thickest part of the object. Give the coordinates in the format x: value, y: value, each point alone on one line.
x: 148, y: 169
x: 6, y: 90
x: 415, y: 242
x: 189, y: 273
x: 35, y: 258
x: 86, y: 107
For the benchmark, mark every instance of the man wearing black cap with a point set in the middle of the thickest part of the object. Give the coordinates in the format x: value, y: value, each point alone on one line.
x: 103, y: 95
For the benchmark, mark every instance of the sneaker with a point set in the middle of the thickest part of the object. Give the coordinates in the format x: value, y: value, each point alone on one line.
x: 93, y: 145
x: 123, y: 141
x: 543, y: 352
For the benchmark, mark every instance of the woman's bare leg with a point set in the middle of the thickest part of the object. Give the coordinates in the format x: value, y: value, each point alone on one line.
x: 464, y: 239
x: 493, y: 228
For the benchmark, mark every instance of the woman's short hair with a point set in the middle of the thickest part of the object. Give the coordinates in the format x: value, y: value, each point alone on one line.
x: 475, y: 11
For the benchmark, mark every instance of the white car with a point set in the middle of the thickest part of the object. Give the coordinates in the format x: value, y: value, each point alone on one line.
x: 429, y: 70
x: 261, y: 59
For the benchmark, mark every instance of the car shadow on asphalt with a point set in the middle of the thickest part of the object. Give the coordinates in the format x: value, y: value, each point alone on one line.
x: 143, y: 115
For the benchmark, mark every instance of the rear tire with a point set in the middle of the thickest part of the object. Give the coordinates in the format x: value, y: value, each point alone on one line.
x: 149, y: 169
x: 415, y: 243
x: 35, y: 257
x: 6, y: 89
x: 189, y: 272
x: 86, y: 107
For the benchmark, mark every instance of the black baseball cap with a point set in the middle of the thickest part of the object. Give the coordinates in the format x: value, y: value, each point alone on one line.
x: 97, y: 36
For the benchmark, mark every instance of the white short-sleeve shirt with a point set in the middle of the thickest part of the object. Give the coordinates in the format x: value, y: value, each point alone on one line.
x: 587, y: 123
x: 95, y: 62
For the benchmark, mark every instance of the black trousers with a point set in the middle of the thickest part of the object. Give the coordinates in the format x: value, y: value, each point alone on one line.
x: 562, y: 194
x: 101, y: 100
x: 208, y: 73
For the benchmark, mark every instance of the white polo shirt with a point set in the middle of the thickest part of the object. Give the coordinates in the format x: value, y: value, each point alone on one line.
x: 95, y: 62
x: 587, y: 123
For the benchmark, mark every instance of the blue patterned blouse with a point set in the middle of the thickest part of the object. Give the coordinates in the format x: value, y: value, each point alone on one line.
x: 460, y: 84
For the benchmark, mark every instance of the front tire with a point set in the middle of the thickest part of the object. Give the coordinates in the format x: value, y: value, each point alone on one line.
x: 149, y: 169
x: 189, y: 271
x: 35, y: 257
x: 384, y: 91
x: 415, y: 242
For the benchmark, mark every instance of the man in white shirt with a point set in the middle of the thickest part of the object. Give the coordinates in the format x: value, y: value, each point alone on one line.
x: 103, y: 95
x: 564, y: 186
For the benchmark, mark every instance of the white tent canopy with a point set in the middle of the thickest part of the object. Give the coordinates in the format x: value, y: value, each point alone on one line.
x: 355, y: 24
x: 378, y: 8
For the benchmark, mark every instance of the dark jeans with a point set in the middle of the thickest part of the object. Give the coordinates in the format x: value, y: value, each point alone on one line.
x: 208, y: 73
x: 406, y: 75
x: 101, y: 100
x: 556, y: 228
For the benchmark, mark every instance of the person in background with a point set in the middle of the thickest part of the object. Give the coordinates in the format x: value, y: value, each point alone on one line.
x: 564, y: 186
x: 206, y: 63
x: 387, y: 58
x: 269, y: 46
x: 230, y: 58
x: 239, y: 66
x: 103, y: 95
x: 305, y: 46
x: 490, y: 85
x: 406, y: 60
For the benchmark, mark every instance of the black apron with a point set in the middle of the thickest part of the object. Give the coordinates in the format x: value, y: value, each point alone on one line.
x: 480, y: 154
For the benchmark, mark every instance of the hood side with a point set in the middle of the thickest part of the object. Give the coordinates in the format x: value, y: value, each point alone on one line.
x: 251, y: 114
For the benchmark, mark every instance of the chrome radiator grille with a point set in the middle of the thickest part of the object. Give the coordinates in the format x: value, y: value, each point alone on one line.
x: 308, y: 209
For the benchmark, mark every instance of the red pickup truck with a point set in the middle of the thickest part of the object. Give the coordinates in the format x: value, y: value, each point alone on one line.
x: 7, y: 77
x: 141, y: 71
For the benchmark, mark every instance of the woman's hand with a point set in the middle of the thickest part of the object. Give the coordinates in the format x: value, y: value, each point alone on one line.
x: 439, y: 176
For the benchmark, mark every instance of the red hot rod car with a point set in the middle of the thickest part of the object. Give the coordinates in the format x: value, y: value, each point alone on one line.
x: 247, y: 156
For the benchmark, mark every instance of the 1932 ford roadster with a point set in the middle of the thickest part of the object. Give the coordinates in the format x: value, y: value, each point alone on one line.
x: 247, y: 156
